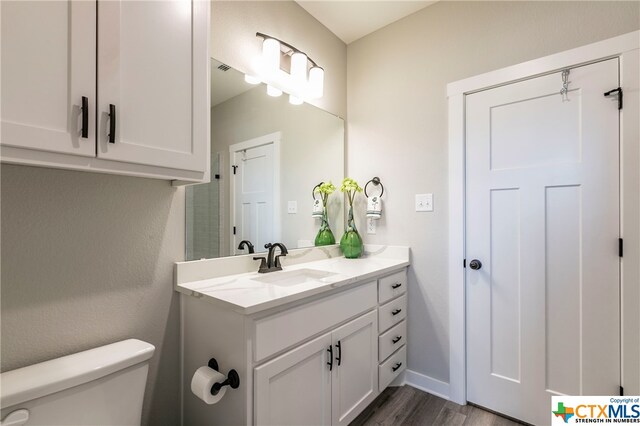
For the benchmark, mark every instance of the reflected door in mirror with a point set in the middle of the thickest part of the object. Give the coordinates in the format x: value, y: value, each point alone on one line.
x: 253, y: 192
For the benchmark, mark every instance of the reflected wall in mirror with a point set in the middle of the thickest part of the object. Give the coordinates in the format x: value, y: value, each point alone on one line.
x: 267, y: 155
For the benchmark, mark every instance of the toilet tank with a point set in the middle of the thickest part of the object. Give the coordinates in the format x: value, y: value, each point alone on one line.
x: 101, y: 386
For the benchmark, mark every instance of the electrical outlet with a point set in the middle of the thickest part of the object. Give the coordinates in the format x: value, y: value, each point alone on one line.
x: 292, y: 207
x: 371, y: 226
x: 424, y: 202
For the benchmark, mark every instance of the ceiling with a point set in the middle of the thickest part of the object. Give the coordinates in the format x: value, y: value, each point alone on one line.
x: 353, y: 19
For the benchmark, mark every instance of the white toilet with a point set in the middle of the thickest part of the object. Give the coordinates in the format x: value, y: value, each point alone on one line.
x: 101, y: 386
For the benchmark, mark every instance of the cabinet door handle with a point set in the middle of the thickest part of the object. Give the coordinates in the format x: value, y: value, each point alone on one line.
x: 395, y: 367
x: 112, y: 123
x: 396, y: 285
x: 396, y: 340
x: 330, y: 363
x: 396, y: 312
x: 339, y: 357
x: 84, y: 132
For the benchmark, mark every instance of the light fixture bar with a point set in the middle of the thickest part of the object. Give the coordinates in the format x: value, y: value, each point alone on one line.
x: 295, y: 49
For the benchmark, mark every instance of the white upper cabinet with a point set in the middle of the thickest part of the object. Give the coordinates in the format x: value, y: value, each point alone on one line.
x: 142, y: 68
x: 150, y: 62
x: 48, y: 66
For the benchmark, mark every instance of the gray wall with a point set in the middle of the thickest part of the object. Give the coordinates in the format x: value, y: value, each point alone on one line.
x: 87, y: 259
x: 397, y: 127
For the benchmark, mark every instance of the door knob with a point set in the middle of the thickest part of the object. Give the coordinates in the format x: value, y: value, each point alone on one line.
x: 475, y: 264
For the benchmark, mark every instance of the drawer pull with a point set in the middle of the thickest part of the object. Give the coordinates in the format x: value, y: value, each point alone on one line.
x: 395, y: 367
x: 396, y: 312
x: 396, y: 285
x: 330, y: 363
x: 396, y: 340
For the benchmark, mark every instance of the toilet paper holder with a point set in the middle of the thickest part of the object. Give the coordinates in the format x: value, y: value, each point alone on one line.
x: 233, y: 379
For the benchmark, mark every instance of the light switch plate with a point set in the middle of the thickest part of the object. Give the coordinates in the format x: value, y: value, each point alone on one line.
x: 424, y: 202
x: 292, y: 207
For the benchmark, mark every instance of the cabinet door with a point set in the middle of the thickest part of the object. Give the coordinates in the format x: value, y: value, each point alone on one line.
x: 355, y: 376
x: 152, y: 72
x: 295, y: 388
x: 48, y: 65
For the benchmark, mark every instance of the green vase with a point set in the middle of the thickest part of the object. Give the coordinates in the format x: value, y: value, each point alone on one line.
x: 325, y: 236
x: 351, y: 242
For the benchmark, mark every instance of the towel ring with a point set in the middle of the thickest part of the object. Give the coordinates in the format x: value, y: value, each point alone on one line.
x: 313, y: 191
x: 376, y: 182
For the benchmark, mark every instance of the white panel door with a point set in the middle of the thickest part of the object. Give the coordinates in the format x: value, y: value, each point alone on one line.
x: 253, y: 196
x: 355, y: 367
x: 152, y: 68
x: 542, y: 217
x: 295, y: 388
x: 48, y: 66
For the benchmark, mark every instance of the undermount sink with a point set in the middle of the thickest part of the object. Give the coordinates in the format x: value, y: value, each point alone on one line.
x: 291, y: 278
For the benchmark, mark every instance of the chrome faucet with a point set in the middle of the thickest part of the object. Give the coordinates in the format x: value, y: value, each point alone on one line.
x: 246, y: 244
x: 271, y: 263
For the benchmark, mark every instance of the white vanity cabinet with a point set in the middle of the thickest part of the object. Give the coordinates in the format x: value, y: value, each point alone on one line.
x: 295, y: 388
x: 107, y: 86
x: 331, y: 379
x: 320, y: 360
x: 392, y: 326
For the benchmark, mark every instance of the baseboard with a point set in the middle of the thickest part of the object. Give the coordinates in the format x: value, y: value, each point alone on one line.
x: 427, y: 384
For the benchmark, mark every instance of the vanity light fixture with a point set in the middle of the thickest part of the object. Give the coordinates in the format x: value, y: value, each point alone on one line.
x: 270, y: 56
x: 304, y: 79
x: 295, y: 101
x: 251, y: 80
x: 273, y: 91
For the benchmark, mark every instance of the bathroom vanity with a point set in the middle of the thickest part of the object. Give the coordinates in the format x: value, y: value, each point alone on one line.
x: 312, y: 344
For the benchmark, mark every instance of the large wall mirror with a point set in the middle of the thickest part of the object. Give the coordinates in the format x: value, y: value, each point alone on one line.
x: 267, y: 156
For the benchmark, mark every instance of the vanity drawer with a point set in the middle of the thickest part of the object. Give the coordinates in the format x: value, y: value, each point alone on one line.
x: 392, y: 313
x: 284, y: 329
x: 392, y: 340
x: 392, y: 286
x: 391, y: 368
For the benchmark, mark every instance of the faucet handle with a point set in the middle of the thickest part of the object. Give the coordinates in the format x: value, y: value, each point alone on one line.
x: 263, y: 264
x: 277, y: 262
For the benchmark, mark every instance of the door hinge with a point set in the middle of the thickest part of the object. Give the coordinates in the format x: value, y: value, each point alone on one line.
x: 235, y: 168
x: 621, y: 391
x: 234, y: 230
x: 620, y: 247
x: 464, y: 263
x: 619, y: 92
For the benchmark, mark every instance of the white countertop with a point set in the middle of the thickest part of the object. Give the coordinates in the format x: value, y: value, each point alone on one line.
x: 243, y: 294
